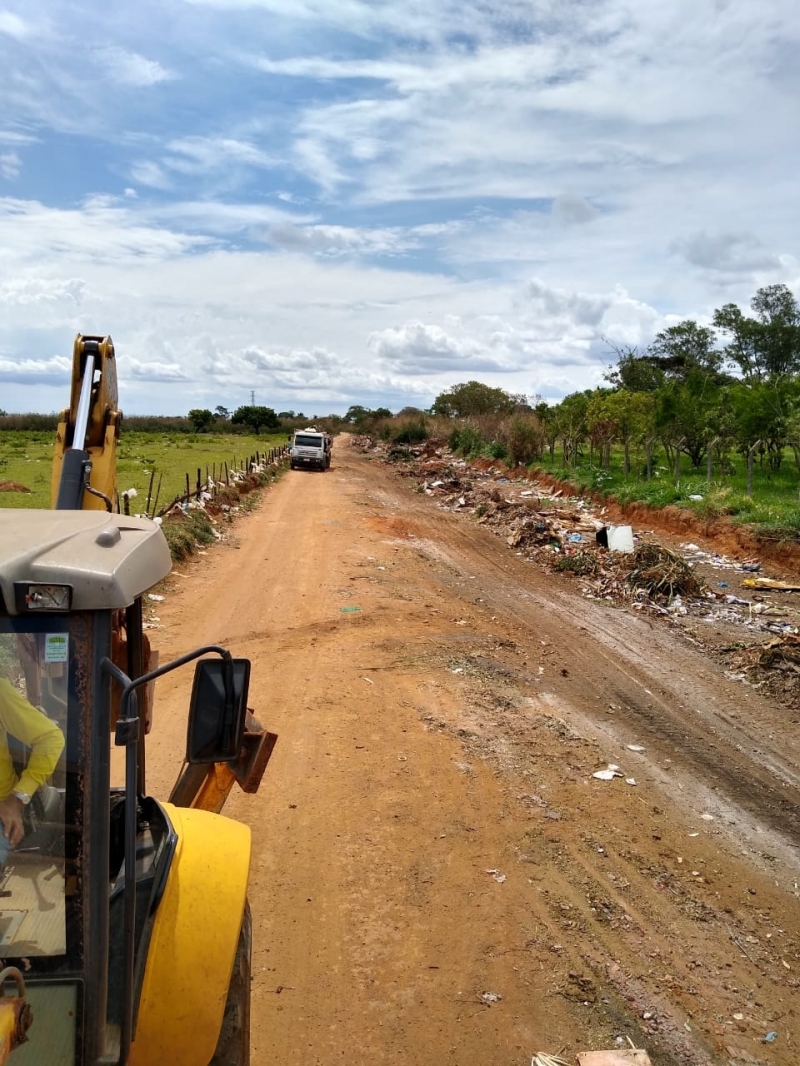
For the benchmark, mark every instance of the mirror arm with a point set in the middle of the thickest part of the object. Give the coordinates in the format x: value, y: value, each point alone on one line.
x: 127, y: 736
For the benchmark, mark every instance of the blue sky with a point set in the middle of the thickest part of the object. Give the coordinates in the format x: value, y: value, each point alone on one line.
x: 331, y: 203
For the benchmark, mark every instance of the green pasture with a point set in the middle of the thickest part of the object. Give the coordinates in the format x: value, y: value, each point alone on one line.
x: 26, y: 458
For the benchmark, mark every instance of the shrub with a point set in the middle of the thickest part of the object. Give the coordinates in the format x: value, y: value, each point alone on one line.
x: 186, y: 532
x: 412, y: 432
x: 524, y: 439
x: 466, y: 441
x: 494, y: 450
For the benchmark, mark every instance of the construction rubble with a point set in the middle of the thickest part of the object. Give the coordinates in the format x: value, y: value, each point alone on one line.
x: 555, y: 531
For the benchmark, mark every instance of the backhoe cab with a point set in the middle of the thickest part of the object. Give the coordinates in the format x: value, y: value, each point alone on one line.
x: 124, y: 926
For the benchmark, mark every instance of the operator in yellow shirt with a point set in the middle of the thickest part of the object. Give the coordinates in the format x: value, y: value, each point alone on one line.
x: 32, y: 727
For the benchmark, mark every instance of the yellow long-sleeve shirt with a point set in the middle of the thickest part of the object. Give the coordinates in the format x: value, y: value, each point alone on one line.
x: 27, y: 723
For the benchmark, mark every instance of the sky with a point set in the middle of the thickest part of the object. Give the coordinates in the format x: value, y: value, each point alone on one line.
x: 312, y: 204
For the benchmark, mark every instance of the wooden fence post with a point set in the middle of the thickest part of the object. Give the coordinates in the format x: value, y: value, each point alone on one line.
x: 158, y: 493
x: 711, y: 459
x: 750, y: 454
x: 150, y: 491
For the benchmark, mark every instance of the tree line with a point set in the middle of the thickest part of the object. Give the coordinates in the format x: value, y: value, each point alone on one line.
x: 704, y: 392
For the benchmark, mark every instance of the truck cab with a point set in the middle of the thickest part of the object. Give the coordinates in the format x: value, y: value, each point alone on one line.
x: 310, y: 448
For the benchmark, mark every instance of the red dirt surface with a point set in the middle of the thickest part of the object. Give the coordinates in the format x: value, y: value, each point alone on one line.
x: 437, y: 875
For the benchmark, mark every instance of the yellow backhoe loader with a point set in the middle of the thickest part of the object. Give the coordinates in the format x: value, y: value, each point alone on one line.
x: 124, y: 924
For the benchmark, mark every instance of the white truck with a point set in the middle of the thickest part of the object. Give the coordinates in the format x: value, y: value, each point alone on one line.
x: 310, y: 448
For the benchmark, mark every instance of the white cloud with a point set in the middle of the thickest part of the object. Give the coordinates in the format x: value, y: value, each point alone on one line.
x: 97, y: 233
x: 27, y: 372
x: 146, y: 172
x: 13, y: 26
x: 193, y: 154
x: 10, y: 165
x: 153, y: 371
x: 130, y: 68
x: 32, y: 292
x: 417, y: 348
x: 573, y: 209
x: 730, y: 253
x: 337, y: 241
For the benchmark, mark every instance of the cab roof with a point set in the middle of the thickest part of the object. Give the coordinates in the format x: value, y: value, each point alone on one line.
x: 107, y: 559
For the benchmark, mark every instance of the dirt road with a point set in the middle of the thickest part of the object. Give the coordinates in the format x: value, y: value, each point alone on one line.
x: 437, y: 876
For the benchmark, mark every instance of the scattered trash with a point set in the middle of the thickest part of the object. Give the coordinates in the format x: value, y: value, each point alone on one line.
x: 541, y: 1058
x: 635, y: 747
x: 155, y: 597
x: 753, y: 568
x: 490, y: 997
x: 630, y: 780
x: 618, y: 1057
x: 770, y: 1037
x: 575, y: 538
x: 607, y: 775
x: 499, y: 878
x: 695, y: 496
x: 782, y: 653
x: 770, y: 583
x: 348, y: 610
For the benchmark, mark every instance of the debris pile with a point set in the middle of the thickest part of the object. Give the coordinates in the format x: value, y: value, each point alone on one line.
x: 663, y: 575
x: 541, y: 523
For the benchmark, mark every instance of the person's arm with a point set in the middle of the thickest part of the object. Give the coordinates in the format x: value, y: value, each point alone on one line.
x: 33, y: 728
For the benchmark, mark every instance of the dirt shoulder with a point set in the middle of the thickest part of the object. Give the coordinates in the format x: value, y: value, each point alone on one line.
x: 437, y: 874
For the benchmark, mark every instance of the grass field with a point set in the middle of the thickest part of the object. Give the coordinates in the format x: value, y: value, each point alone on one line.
x: 26, y: 458
x: 772, y: 507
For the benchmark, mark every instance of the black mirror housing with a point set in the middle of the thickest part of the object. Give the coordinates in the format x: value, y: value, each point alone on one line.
x: 218, y: 710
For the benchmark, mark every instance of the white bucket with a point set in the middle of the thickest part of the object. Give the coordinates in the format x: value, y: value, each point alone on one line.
x: 620, y: 538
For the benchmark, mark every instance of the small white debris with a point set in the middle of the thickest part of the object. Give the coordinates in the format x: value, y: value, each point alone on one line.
x: 491, y: 997
x: 499, y: 878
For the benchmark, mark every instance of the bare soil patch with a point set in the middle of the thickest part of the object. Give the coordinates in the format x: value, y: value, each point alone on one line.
x: 437, y: 873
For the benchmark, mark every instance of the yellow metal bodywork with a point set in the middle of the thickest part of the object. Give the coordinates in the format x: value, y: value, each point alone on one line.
x: 193, y: 943
x: 102, y: 431
x: 8, y: 1030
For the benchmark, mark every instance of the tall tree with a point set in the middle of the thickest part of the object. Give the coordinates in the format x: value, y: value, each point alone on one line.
x: 201, y: 419
x: 257, y: 418
x: 684, y: 349
x: 765, y: 346
x: 569, y: 417
x: 475, y: 398
x: 623, y: 416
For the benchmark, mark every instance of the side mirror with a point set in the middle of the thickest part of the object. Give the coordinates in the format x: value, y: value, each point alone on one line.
x: 218, y: 710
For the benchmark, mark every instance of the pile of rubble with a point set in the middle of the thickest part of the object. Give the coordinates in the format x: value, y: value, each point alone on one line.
x: 542, y: 523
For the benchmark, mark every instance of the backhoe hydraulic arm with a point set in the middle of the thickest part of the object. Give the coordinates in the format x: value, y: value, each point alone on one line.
x: 84, y: 462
